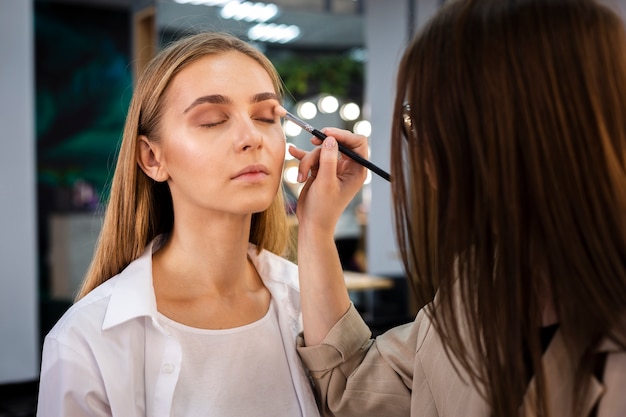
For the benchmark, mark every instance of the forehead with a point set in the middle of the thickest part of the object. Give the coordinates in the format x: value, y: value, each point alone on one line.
x: 229, y: 73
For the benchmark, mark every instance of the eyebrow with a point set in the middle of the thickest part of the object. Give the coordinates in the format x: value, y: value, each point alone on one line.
x: 213, y: 99
x: 257, y: 98
x: 221, y: 99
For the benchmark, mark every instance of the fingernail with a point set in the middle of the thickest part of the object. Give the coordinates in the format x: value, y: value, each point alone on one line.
x: 300, y: 176
x: 330, y: 142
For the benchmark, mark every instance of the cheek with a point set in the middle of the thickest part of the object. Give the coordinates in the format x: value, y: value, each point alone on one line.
x: 277, y: 149
x: 183, y: 153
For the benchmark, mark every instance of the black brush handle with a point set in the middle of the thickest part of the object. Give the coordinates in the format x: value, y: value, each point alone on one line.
x: 355, y: 156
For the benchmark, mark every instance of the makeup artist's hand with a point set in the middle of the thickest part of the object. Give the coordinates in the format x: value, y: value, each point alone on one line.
x: 332, y: 179
x: 332, y: 183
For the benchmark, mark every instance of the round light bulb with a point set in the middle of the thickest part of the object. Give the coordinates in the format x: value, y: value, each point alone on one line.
x: 350, y: 111
x: 363, y: 127
x: 291, y: 175
x: 291, y: 129
x: 288, y: 156
x: 307, y: 110
x: 328, y: 104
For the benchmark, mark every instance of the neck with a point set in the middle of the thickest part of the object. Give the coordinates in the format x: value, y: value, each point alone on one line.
x: 204, y: 260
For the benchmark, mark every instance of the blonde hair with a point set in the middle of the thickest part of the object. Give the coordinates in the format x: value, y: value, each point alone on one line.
x: 139, y: 208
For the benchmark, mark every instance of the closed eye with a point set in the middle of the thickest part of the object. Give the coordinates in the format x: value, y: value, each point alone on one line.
x: 207, y: 125
x: 266, y: 120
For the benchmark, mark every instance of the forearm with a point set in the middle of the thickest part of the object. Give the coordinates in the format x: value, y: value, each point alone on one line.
x: 329, y: 186
x: 323, y: 291
x: 356, y: 376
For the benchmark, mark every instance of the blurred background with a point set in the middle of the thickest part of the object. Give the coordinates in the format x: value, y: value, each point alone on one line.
x: 66, y: 78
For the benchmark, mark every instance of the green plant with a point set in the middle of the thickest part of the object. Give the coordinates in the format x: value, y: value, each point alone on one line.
x: 338, y: 75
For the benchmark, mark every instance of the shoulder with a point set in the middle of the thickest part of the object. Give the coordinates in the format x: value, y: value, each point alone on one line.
x: 85, y: 316
x: 118, y: 299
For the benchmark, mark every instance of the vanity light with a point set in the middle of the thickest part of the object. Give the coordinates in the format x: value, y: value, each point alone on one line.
x: 291, y: 129
x: 249, y: 11
x: 363, y: 127
x: 328, y: 104
x: 203, y: 2
x: 350, y: 111
x: 273, y: 33
x: 291, y: 174
x: 306, y: 110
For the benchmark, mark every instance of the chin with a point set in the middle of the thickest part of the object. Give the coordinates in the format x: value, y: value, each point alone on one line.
x: 258, y: 205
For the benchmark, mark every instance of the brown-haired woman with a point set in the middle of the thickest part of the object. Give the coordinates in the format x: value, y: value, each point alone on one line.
x: 509, y: 183
x: 188, y: 309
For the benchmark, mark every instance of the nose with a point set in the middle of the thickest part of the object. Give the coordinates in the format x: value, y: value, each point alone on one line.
x: 247, y: 135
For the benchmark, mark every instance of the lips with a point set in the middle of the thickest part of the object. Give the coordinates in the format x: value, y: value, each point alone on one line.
x: 256, y: 169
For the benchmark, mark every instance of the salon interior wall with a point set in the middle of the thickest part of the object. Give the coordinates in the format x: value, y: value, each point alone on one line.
x: 388, y: 28
x: 19, y: 344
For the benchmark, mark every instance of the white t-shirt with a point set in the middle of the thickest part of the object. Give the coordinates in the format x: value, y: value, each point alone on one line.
x: 238, y: 372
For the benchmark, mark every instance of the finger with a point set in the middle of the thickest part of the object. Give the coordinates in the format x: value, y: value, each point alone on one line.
x: 350, y: 140
x: 316, y: 141
x: 327, y: 170
x: 307, y: 163
x: 296, y: 152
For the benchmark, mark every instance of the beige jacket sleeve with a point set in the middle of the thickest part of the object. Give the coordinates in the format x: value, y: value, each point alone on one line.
x: 406, y: 372
x: 357, y: 376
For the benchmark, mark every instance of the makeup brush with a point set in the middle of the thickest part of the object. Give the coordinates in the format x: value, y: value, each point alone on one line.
x: 282, y: 112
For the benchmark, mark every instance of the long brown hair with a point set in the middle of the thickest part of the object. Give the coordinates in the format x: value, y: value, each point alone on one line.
x: 511, y: 187
x: 139, y: 208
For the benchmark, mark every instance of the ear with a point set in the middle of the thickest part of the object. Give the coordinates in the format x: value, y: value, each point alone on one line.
x: 149, y: 159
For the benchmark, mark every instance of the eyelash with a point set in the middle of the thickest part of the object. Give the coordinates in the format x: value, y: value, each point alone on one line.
x: 209, y: 125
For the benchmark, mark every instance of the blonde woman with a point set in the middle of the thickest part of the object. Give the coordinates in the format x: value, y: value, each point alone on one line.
x: 188, y: 308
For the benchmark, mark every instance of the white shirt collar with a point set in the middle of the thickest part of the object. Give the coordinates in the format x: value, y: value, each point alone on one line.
x: 133, y: 296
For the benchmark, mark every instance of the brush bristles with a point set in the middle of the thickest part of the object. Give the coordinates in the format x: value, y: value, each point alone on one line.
x: 280, y: 111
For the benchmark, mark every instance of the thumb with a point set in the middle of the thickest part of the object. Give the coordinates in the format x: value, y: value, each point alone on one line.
x: 328, y: 160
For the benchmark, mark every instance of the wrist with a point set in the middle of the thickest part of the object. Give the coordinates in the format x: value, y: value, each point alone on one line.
x: 314, y: 236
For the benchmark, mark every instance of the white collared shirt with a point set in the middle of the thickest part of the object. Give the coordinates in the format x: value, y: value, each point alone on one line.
x: 109, y: 356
